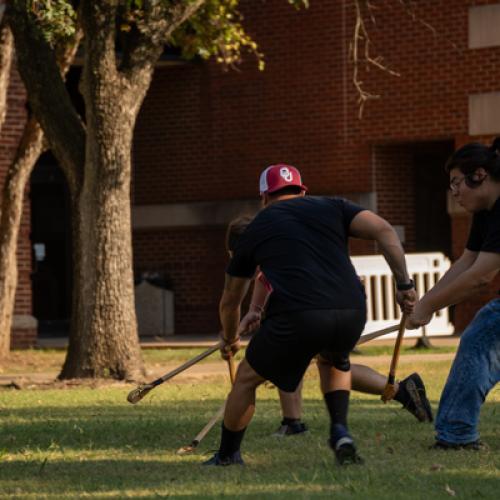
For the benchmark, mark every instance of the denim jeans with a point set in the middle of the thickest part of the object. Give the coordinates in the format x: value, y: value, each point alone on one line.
x: 475, y: 370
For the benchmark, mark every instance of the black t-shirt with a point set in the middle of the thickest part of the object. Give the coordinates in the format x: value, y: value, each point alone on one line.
x: 484, y: 234
x: 301, y: 246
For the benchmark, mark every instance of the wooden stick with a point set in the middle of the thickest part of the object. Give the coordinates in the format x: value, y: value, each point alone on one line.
x: 389, y: 389
x: 220, y: 413
x: 137, y: 394
x: 373, y: 335
x: 232, y: 369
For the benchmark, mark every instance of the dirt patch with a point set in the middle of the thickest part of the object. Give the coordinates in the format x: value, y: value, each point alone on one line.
x: 199, y: 372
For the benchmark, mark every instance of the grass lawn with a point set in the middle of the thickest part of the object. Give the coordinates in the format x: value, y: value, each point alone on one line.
x: 47, y: 360
x: 90, y: 443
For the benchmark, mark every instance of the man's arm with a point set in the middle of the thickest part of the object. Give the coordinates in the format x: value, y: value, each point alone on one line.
x: 251, y: 320
x: 369, y: 226
x: 464, y: 262
x: 463, y: 285
x: 234, y: 292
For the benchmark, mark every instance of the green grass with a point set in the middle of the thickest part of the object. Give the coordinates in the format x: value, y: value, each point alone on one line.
x: 50, y: 361
x: 387, y: 349
x: 90, y: 443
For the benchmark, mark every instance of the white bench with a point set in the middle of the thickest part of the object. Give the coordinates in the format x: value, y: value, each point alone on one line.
x: 383, y: 311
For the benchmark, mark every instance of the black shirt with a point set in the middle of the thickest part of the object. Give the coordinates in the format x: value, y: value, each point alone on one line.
x: 301, y: 246
x: 484, y: 234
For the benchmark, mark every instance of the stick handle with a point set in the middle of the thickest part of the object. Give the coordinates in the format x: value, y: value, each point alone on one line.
x: 208, y: 426
x: 397, y: 347
x: 232, y: 369
x: 187, y: 364
x: 389, y: 391
x: 378, y: 333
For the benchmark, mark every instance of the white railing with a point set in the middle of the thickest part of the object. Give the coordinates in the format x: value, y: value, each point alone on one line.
x: 425, y: 268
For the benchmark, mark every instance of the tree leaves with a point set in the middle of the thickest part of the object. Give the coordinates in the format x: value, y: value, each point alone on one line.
x: 57, y: 19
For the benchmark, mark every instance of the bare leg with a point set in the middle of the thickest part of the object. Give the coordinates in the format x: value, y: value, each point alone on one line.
x: 332, y: 379
x: 240, y: 404
x: 291, y: 403
x: 367, y: 380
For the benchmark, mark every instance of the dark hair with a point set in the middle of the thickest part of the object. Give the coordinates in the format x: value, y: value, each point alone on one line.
x: 286, y: 190
x: 473, y: 156
x: 235, y: 229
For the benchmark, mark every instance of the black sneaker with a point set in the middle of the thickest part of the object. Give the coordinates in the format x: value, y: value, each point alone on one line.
x: 344, y: 448
x: 234, y: 459
x: 417, y: 404
x: 297, y: 427
x: 473, y: 445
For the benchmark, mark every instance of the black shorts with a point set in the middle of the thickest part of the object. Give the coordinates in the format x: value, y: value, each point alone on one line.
x: 283, y: 347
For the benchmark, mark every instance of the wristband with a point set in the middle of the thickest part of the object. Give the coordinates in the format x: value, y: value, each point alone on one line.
x: 404, y: 287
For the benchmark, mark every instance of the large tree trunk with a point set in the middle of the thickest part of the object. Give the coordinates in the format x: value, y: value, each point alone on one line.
x: 104, y: 339
x: 96, y: 157
x: 29, y: 150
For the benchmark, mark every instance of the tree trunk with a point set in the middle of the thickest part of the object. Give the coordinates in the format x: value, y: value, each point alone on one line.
x: 6, y: 47
x: 96, y: 157
x: 104, y: 340
x: 29, y: 150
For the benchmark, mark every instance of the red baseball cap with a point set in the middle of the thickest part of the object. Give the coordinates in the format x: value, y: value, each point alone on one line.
x: 279, y: 176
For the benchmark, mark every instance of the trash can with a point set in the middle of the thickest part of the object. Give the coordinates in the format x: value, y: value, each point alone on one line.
x: 154, y: 304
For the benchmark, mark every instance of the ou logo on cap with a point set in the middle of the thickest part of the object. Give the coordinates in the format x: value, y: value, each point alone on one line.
x: 286, y: 174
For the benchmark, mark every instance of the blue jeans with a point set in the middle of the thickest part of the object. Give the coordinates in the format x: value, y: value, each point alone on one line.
x: 475, y: 370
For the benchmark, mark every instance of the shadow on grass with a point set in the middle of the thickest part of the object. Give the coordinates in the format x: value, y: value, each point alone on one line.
x: 117, y: 447
x: 139, y: 477
x: 161, y: 425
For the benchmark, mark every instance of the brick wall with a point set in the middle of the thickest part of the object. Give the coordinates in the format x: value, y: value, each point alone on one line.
x: 9, y: 139
x: 393, y: 166
x: 205, y: 133
x: 193, y: 261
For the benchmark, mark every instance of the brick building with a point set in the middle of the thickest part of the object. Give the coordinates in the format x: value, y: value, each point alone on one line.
x: 204, y: 134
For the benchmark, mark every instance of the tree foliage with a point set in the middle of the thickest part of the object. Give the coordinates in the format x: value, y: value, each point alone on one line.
x: 215, y: 30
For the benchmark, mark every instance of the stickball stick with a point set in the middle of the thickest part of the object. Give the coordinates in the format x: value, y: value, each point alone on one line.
x: 389, y: 389
x: 137, y: 394
x: 220, y: 412
x: 373, y: 335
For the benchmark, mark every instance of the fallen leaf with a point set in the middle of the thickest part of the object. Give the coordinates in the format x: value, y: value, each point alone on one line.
x: 449, y: 491
x: 436, y: 467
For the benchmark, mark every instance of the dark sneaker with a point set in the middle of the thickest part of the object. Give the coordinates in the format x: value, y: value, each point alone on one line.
x: 344, y: 448
x: 473, y: 445
x: 417, y: 404
x: 234, y: 459
x: 291, y: 429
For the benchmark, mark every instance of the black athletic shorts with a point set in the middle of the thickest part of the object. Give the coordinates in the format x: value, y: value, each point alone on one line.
x: 283, y: 347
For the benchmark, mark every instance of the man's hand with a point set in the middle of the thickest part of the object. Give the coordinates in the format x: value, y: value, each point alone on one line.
x: 419, y: 317
x: 250, y: 322
x: 406, y: 300
x: 230, y: 347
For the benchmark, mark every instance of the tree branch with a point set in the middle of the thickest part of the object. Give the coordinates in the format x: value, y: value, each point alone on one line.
x: 153, y: 33
x: 6, y: 44
x: 47, y: 93
x: 361, y: 37
x: 99, y: 24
